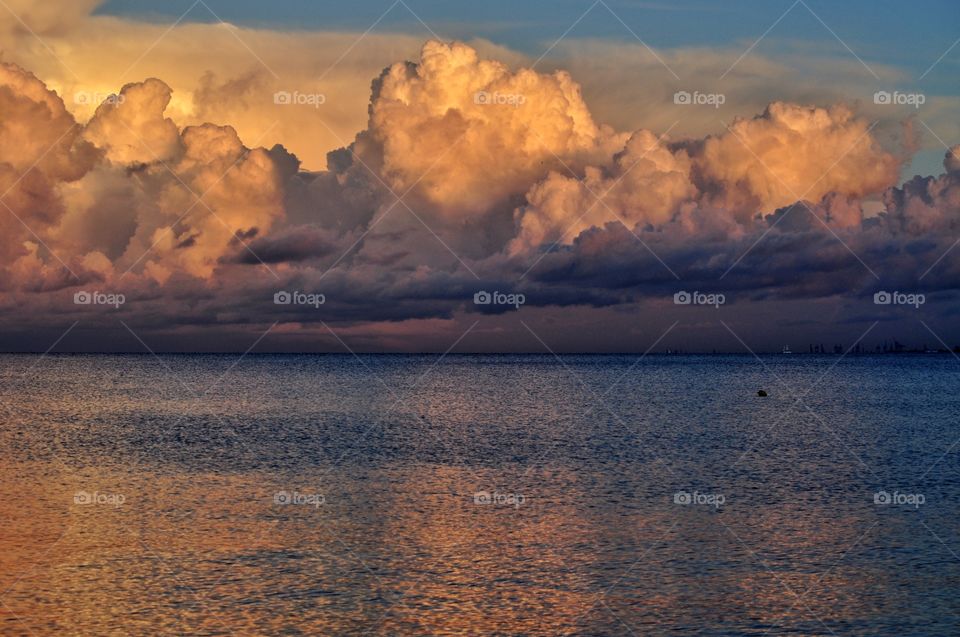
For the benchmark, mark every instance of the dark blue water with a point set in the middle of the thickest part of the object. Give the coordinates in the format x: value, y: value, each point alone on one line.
x: 480, y: 495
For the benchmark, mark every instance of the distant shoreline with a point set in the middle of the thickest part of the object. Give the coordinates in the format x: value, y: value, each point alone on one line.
x: 778, y: 354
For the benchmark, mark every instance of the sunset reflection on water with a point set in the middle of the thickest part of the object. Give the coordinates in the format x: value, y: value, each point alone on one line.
x: 580, y: 532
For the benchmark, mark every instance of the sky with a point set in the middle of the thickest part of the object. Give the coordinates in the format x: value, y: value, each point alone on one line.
x: 410, y: 176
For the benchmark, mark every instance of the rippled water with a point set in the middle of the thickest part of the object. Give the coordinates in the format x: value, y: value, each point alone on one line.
x: 479, y: 495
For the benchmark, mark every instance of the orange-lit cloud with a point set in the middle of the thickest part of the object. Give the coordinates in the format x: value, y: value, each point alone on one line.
x: 506, y: 168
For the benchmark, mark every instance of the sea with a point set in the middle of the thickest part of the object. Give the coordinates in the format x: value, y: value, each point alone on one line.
x: 479, y: 495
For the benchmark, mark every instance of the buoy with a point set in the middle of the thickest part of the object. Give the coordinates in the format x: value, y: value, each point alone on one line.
x: 762, y: 394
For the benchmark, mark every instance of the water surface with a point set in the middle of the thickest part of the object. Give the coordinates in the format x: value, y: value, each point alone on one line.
x: 479, y: 495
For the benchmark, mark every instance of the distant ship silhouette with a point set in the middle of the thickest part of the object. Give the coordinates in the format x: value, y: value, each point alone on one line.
x: 786, y: 350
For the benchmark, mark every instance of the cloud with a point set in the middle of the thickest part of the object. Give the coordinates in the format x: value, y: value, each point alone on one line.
x: 40, y: 146
x: 290, y: 245
x: 789, y: 152
x: 792, y: 152
x: 228, y: 74
x: 507, y: 183
x: 926, y: 204
x: 511, y: 125
x: 218, y: 73
x: 132, y: 128
x: 217, y: 193
x: 51, y: 17
x: 645, y: 183
x: 128, y: 187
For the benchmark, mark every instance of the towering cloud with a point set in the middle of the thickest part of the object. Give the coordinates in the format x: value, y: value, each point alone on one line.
x: 469, y: 133
x: 645, y: 183
x: 792, y: 152
x: 40, y: 146
x: 132, y: 128
x: 505, y: 173
x: 927, y: 204
x: 216, y: 195
x: 789, y: 152
x: 128, y: 189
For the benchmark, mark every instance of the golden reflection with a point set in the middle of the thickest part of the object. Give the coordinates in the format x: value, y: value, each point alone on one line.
x: 485, y: 568
x: 402, y: 550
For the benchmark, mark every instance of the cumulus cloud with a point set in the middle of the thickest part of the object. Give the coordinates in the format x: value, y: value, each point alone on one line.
x: 792, y: 152
x: 760, y: 164
x: 507, y: 180
x: 40, y: 146
x: 645, y: 183
x: 952, y: 160
x: 132, y: 128
x: 926, y: 204
x: 219, y: 73
x: 128, y: 188
x: 512, y: 124
x: 218, y: 193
